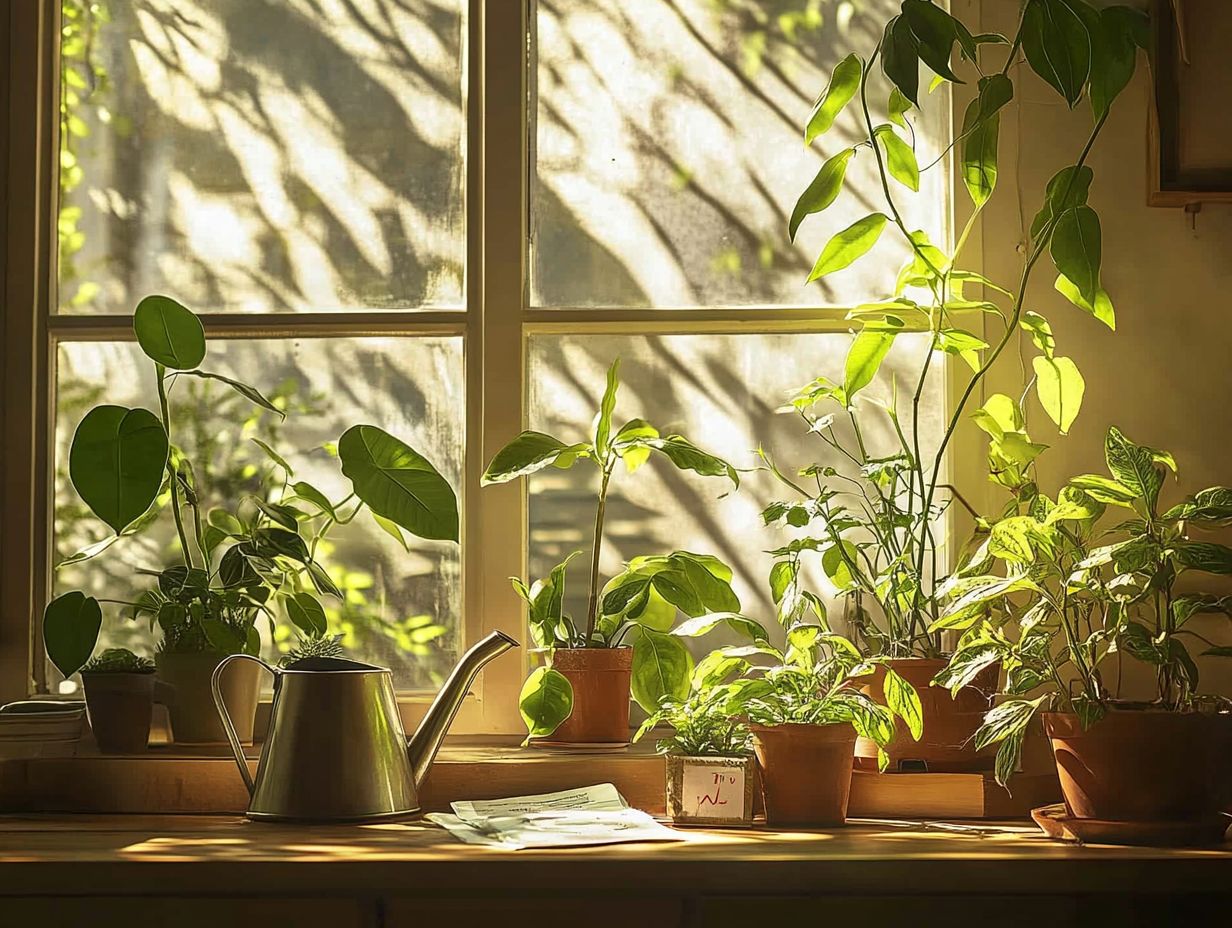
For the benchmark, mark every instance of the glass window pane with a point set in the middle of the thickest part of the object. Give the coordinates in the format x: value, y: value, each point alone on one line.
x: 669, y: 153
x: 248, y: 156
x: 402, y: 609
x: 721, y: 392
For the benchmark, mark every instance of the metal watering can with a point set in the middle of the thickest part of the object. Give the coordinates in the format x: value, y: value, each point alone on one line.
x: 335, y: 750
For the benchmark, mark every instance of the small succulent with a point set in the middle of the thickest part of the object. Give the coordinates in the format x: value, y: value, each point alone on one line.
x: 118, y: 660
x: 305, y: 648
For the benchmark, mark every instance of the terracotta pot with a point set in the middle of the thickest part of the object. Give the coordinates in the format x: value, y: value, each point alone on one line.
x: 1144, y: 765
x: 805, y: 772
x: 947, y: 744
x: 120, y: 706
x: 600, y: 680
x: 194, y: 720
x: 711, y: 790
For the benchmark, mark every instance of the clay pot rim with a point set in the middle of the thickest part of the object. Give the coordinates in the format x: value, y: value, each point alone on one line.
x: 804, y: 727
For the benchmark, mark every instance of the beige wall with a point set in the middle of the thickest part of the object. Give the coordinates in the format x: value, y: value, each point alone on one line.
x: 1163, y: 377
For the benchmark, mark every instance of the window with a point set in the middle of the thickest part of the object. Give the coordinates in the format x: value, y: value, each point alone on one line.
x: 390, y: 213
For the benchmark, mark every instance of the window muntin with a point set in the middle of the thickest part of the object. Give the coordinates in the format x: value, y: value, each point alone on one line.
x: 751, y: 307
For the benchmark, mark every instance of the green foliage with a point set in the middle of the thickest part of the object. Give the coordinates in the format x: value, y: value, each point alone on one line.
x: 70, y: 630
x: 889, y: 501
x: 704, y: 724
x: 641, y: 604
x: 116, y: 462
x: 313, y: 646
x: 1070, y: 596
x: 398, y: 483
x: 844, y: 83
x: 118, y: 660
x: 235, y: 564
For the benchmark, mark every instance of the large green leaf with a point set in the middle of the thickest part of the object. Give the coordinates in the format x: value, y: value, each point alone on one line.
x: 1212, y: 506
x: 1114, y: 53
x: 398, y: 483
x: 904, y: 701
x: 935, y: 32
x: 1067, y: 189
x: 1006, y: 719
x: 116, y: 462
x: 1057, y: 46
x: 844, y: 82
x: 692, y: 586
x: 687, y: 456
x: 169, y: 333
x: 545, y: 599
x: 822, y: 191
x: 900, y: 58
x: 1076, y: 249
x: 545, y: 702
x: 703, y: 624
x: 1133, y: 466
x: 900, y: 159
x: 1101, y: 309
x: 1040, y: 331
x: 529, y: 452
x: 252, y: 394
x: 1060, y: 387
x: 70, y: 630
x: 603, y: 421
x: 980, y: 134
x: 865, y: 356
x: 1206, y: 556
x: 307, y: 614
x: 849, y: 245
x: 662, y: 667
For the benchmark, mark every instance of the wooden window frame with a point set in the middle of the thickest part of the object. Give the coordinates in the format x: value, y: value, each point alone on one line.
x: 495, y: 324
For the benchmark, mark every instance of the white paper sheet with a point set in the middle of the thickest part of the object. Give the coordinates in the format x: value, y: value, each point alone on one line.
x: 571, y: 818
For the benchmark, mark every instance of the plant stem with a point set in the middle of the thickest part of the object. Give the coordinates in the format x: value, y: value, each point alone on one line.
x: 592, y: 609
x: 171, y: 469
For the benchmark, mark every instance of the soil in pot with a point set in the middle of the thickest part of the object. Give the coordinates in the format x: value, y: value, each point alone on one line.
x: 805, y: 772
x: 1144, y: 765
x: 947, y: 744
x: 120, y: 706
x: 600, y: 680
x: 194, y: 720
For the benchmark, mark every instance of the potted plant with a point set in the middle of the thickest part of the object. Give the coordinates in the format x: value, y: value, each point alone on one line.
x: 626, y: 643
x: 805, y: 712
x: 1056, y: 601
x: 119, y: 685
x: 709, y: 758
x: 255, y: 558
x: 880, y: 537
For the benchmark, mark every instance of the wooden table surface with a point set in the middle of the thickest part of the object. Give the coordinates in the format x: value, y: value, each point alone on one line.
x: 193, y: 854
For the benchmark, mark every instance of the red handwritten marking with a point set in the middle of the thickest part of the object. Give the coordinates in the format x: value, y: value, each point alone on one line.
x: 713, y: 800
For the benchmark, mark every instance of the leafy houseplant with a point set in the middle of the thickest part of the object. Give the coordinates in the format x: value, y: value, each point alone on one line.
x: 879, y: 533
x: 710, y: 766
x: 252, y: 559
x: 1057, y: 602
x: 626, y: 639
x: 805, y: 711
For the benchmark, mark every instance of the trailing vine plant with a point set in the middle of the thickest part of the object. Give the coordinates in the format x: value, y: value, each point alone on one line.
x: 878, y: 538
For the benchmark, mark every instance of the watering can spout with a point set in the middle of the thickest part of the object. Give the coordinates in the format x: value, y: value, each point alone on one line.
x: 424, y: 744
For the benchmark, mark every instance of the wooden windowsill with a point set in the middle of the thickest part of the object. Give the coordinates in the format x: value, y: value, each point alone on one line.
x: 170, y: 779
x: 169, y: 855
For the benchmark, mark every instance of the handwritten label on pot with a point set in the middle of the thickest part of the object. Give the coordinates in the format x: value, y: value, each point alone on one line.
x: 712, y: 792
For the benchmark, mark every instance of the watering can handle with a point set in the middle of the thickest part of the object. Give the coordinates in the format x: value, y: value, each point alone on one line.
x: 228, y: 726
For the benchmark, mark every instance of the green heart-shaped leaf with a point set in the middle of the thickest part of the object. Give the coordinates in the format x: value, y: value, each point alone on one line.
x: 116, y: 462
x: 169, y: 333
x: 70, y: 630
x: 399, y: 483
